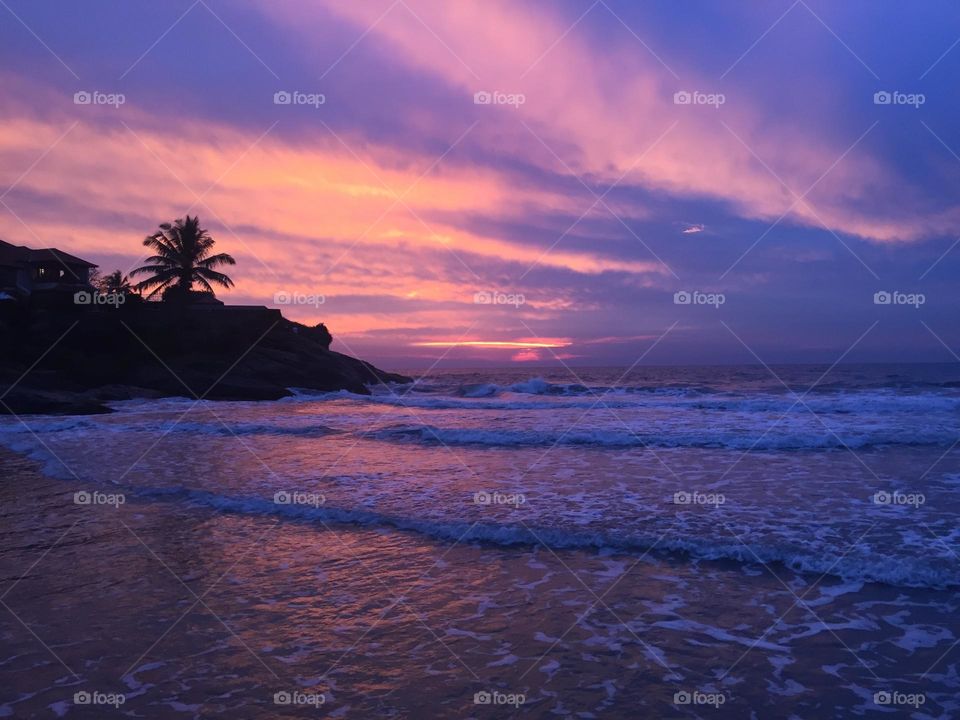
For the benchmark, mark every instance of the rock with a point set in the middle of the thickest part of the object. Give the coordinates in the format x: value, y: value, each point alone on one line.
x: 152, y: 350
x: 24, y: 401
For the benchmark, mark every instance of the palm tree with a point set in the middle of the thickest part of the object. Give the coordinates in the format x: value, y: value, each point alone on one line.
x: 182, y: 259
x: 116, y: 282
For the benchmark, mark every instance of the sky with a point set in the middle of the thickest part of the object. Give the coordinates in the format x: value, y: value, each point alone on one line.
x: 489, y: 182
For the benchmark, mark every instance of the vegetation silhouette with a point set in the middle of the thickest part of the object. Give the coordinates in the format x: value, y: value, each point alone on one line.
x: 115, y: 282
x: 183, y: 259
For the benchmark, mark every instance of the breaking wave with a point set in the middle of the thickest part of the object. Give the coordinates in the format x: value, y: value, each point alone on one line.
x: 732, y: 438
x: 908, y: 572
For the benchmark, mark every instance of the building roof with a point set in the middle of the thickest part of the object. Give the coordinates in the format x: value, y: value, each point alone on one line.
x: 12, y: 255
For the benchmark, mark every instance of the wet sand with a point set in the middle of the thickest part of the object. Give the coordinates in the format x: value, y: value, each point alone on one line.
x: 193, y: 613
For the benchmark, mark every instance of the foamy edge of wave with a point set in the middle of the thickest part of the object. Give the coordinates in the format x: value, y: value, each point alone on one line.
x: 905, y: 572
x: 430, y: 435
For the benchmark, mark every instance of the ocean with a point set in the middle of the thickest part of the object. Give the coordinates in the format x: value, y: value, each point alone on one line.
x: 744, y: 542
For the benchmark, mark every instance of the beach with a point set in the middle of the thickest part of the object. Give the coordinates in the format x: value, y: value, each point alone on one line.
x: 672, y: 543
x: 414, y: 359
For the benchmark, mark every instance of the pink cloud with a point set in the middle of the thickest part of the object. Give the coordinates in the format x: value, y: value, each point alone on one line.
x: 526, y: 356
x: 623, y: 122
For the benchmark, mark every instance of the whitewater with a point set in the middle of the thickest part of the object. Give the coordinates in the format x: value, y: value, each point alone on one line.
x: 733, y: 496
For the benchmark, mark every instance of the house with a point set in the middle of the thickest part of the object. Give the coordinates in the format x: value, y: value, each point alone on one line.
x: 26, y: 273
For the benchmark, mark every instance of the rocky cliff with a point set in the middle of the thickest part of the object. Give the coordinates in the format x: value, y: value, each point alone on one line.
x: 93, y: 356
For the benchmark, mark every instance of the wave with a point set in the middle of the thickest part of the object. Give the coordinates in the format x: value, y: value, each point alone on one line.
x: 734, y: 439
x: 912, y: 571
x: 908, y: 572
x: 233, y: 428
x: 731, y: 436
x: 539, y: 386
x: 227, y: 428
x: 531, y: 386
x: 480, y: 399
x: 537, y: 394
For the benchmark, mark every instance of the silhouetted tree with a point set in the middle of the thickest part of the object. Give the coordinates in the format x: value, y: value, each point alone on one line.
x: 115, y: 282
x: 182, y: 259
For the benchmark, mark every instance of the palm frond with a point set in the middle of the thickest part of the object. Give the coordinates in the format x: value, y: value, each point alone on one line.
x: 214, y: 276
x: 219, y: 259
x: 182, y: 256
